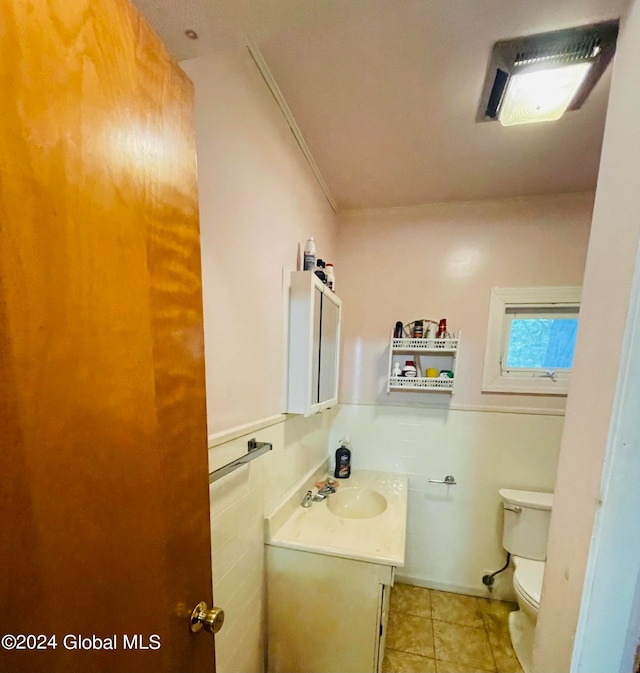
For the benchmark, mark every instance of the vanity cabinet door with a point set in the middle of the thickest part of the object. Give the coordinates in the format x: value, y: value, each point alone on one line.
x: 314, y: 345
x: 323, y: 612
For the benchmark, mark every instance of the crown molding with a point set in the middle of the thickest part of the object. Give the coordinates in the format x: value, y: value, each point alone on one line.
x: 271, y: 83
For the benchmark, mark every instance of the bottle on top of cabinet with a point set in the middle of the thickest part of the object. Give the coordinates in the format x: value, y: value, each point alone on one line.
x: 310, y: 255
x: 320, y: 271
x: 331, y: 277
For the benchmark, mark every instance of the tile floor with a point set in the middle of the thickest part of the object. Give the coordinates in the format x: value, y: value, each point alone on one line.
x: 437, y: 632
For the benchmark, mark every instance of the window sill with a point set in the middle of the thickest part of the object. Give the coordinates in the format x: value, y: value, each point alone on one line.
x: 529, y: 386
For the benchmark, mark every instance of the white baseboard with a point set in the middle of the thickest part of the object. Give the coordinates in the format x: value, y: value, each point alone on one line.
x: 503, y: 594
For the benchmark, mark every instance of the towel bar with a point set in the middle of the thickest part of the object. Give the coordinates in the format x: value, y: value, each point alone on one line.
x: 255, y: 450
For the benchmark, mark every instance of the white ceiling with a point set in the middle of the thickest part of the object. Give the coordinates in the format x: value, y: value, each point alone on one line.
x: 385, y: 92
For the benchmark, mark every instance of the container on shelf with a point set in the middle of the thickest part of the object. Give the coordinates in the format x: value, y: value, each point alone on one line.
x: 409, y: 369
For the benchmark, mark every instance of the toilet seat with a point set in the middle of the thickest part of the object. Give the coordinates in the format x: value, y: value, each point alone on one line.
x: 527, y: 580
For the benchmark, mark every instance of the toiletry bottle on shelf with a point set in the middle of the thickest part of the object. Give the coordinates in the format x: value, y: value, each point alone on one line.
x: 310, y: 255
x: 409, y: 368
x: 331, y: 277
x: 396, y: 371
x: 343, y: 461
x: 442, y: 329
x: 397, y: 332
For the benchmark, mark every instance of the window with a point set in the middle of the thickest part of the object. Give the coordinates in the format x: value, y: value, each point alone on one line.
x: 531, y: 339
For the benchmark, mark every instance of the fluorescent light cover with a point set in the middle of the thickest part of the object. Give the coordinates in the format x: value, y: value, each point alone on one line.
x: 541, y: 95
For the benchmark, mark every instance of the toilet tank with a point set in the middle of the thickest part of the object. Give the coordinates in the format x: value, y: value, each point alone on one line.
x: 526, y: 522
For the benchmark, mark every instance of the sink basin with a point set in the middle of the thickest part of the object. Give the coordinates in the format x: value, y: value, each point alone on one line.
x: 357, y: 503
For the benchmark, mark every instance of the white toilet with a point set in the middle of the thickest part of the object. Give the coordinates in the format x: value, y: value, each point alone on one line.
x: 526, y: 527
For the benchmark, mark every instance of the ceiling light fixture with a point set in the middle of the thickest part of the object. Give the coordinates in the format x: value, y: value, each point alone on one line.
x: 539, y: 77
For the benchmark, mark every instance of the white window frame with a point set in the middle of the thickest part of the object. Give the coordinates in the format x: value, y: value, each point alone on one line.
x: 504, y: 300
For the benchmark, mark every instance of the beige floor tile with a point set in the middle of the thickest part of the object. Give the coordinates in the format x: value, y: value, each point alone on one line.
x: 411, y: 600
x: 505, y: 658
x: 496, y: 620
x: 496, y: 616
x: 456, y: 609
x: 410, y: 634
x: 448, y: 667
x: 461, y: 644
x: 516, y: 668
x: 494, y: 606
x: 403, y: 662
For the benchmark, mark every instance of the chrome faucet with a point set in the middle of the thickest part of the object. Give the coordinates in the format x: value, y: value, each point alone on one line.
x: 329, y: 488
x: 322, y: 493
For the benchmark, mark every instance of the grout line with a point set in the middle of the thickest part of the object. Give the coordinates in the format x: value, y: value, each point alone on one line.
x: 486, y: 630
x: 433, y: 631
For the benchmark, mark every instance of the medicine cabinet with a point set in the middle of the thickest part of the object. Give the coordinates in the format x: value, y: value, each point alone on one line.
x: 314, y: 345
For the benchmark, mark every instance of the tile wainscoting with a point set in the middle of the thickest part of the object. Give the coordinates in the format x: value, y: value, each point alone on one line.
x: 239, y: 504
x: 454, y: 533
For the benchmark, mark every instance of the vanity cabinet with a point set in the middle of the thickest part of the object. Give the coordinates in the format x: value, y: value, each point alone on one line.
x: 439, y: 354
x: 314, y: 345
x: 325, y: 614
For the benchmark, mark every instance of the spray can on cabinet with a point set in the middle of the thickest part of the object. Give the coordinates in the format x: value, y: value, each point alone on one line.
x: 343, y: 461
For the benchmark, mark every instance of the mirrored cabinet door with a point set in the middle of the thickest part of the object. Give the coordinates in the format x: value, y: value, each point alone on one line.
x: 329, y: 349
x: 314, y: 345
x: 315, y: 351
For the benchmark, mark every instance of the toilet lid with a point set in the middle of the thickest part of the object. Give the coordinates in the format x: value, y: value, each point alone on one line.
x: 528, y: 577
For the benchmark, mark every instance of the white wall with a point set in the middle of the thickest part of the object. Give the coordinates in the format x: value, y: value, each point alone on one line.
x: 437, y: 261
x: 611, y: 261
x: 239, y: 504
x: 403, y: 264
x: 258, y: 202
x: 454, y: 532
x: 612, y: 584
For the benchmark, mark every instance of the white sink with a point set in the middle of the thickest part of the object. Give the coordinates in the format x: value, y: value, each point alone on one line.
x: 356, y: 503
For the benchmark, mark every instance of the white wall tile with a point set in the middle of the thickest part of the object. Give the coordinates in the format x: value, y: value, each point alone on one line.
x: 243, y: 648
x: 239, y: 503
x: 453, y: 532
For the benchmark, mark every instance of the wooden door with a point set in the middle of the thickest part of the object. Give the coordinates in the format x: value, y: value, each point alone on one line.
x: 104, y: 519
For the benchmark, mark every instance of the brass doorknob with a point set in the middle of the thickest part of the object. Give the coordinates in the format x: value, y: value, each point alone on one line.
x: 212, y: 620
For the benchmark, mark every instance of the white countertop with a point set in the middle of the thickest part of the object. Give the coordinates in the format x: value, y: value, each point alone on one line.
x: 379, y: 539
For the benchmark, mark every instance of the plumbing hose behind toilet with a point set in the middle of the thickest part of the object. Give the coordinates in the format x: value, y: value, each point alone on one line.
x: 487, y: 580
